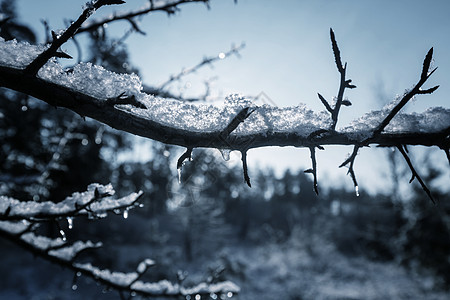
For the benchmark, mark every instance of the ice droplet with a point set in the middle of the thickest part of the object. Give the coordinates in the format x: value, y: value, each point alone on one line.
x: 179, y: 175
x: 125, y: 214
x: 74, y: 287
x: 357, y: 190
x: 70, y: 222
x: 63, y: 235
x: 229, y: 294
x: 225, y: 154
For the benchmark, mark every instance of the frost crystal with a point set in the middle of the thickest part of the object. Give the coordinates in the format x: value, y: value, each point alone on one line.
x: 18, y: 55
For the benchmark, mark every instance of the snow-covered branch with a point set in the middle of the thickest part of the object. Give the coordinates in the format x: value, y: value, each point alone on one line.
x: 89, y: 90
x: 95, y: 203
x: 19, y: 221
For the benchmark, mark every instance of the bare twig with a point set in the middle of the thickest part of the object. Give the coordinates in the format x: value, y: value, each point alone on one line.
x: 170, y: 7
x: 238, y: 119
x: 415, y: 175
x: 313, y: 170
x: 245, y: 168
x: 183, y: 157
x: 206, y: 61
x: 58, y: 41
x: 416, y: 90
x: 344, y: 83
x: 351, y: 160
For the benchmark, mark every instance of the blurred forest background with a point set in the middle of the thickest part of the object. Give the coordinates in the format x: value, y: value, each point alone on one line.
x: 277, y: 240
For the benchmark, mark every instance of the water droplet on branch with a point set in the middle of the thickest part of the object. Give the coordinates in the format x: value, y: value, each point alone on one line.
x: 357, y: 191
x: 63, y: 235
x: 125, y: 214
x: 70, y: 222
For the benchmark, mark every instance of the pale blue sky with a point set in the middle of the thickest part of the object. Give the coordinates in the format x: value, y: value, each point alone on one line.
x: 288, y: 56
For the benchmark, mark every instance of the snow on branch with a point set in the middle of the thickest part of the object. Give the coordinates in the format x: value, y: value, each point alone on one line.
x: 95, y: 203
x: 20, y: 220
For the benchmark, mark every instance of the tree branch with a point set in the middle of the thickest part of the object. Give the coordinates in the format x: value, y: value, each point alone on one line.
x: 58, y: 41
x: 344, y: 83
x: 168, y: 6
x: 415, y: 174
x: 313, y: 170
x: 245, y: 168
x: 20, y: 219
x: 135, y: 120
x: 206, y: 61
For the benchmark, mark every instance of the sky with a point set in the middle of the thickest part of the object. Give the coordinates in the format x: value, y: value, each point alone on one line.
x: 288, y: 57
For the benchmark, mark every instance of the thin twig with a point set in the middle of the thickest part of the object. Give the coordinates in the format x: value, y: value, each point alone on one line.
x: 169, y: 7
x: 351, y: 160
x: 415, y: 175
x: 183, y: 157
x: 416, y: 90
x: 313, y: 170
x: 245, y: 168
x: 238, y: 119
x: 204, y: 62
x: 344, y: 83
x: 58, y: 41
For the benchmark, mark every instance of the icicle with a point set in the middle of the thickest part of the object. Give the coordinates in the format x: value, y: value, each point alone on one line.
x: 63, y: 235
x: 225, y: 154
x: 70, y: 222
x: 357, y: 190
x: 125, y: 214
x: 179, y: 175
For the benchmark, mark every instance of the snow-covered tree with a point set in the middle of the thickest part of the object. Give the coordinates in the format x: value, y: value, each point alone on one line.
x: 120, y: 101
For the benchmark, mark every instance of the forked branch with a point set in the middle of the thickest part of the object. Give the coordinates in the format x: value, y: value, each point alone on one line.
x: 344, y: 83
x: 416, y: 90
x: 415, y: 175
x: 58, y: 41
